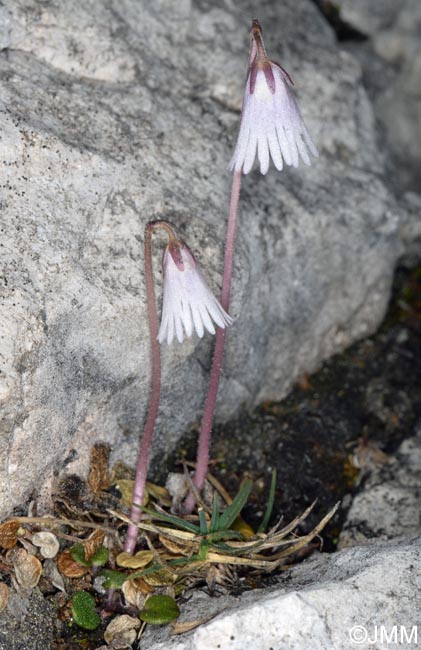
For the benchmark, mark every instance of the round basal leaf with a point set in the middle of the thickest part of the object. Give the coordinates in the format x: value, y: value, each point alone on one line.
x: 78, y: 554
x: 9, y: 533
x: 122, y: 629
x: 159, y: 610
x: 100, y: 557
x: 134, y: 593
x: 68, y: 567
x: 84, y: 612
x: 113, y: 579
x: 28, y: 569
x: 138, y: 561
x: 125, y: 486
x: 47, y: 542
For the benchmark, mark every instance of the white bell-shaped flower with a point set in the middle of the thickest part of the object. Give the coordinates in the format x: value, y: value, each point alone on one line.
x: 188, y: 303
x: 271, y: 122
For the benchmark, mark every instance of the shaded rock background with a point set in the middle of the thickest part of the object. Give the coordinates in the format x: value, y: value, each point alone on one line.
x: 115, y: 113
x: 389, y: 504
x: 391, y: 61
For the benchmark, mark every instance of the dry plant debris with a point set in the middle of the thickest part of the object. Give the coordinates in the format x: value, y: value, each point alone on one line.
x: 78, y: 558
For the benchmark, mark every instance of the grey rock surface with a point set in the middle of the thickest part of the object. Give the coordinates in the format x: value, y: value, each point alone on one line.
x: 395, y: 39
x: 325, y: 603
x: 28, y: 623
x: 390, y: 503
x: 115, y: 113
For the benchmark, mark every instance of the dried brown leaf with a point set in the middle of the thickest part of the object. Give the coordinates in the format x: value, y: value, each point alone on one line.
x: 27, y: 545
x: 218, y: 574
x: 4, y: 596
x: 93, y: 543
x: 134, y: 594
x: 122, y: 628
x: 68, y: 567
x: 99, y: 475
x: 28, y: 569
x: 143, y: 586
x: 47, y: 542
x: 9, y: 533
x: 121, y: 470
x: 52, y: 573
x: 160, y: 493
x: 138, y: 561
x: 182, y: 628
x: 125, y: 486
x: 160, y: 578
x: 176, y: 549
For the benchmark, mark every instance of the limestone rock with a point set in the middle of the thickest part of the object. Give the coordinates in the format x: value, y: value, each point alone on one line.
x: 332, y: 601
x: 389, y: 504
x: 116, y: 113
x: 395, y: 35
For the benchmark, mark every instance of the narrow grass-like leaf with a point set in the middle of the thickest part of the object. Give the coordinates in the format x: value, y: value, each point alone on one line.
x: 158, y: 567
x: 203, y: 522
x: 203, y: 550
x: 214, y: 524
x: 175, y: 521
x: 232, y: 512
x: 152, y: 569
x: 224, y: 534
x: 235, y: 550
x: 269, y: 505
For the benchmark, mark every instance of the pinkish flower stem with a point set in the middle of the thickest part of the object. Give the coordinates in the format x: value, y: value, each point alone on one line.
x: 209, y: 410
x: 143, y: 457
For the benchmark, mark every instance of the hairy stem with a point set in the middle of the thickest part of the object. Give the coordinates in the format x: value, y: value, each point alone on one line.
x: 143, y: 457
x: 209, y: 410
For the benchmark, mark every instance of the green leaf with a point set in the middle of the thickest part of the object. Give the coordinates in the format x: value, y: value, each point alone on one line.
x: 229, y: 550
x: 203, y: 550
x: 100, y: 557
x: 203, y: 522
x: 269, y: 506
x: 224, y: 534
x: 78, y: 555
x: 113, y: 579
x: 214, y: 524
x: 159, y: 610
x: 175, y: 521
x: 84, y: 612
x: 144, y: 572
x: 232, y: 512
x: 157, y: 567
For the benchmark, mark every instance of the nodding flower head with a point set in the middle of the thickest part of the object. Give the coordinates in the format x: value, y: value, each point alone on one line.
x: 271, y: 121
x: 188, y: 303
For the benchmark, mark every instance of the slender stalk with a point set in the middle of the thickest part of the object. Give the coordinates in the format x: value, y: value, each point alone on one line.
x: 143, y: 457
x: 209, y: 410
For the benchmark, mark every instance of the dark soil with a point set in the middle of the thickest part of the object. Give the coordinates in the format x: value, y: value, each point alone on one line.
x: 366, y: 399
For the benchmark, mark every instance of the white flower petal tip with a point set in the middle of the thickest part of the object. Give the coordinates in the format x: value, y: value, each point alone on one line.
x: 271, y: 123
x: 188, y: 303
